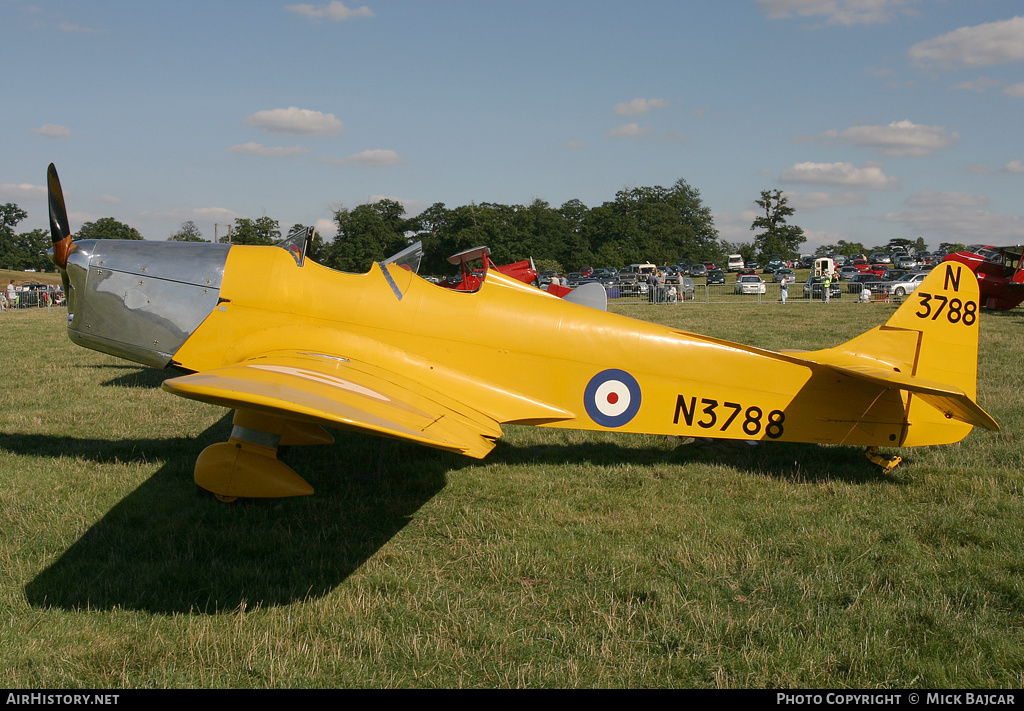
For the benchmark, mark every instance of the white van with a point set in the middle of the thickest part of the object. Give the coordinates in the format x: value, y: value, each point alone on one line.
x: 735, y: 263
x: 645, y: 268
x: 823, y: 266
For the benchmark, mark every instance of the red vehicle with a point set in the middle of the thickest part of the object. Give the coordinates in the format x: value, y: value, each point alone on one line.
x: 1000, y: 277
x: 524, y: 271
x: 862, y: 265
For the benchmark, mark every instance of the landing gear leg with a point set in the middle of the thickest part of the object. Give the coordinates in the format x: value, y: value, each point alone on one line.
x: 887, y: 463
x: 247, y: 464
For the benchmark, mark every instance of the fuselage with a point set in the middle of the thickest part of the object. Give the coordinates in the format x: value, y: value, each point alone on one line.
x: 210, y: 306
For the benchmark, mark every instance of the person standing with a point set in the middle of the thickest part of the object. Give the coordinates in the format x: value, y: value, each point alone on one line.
x: 784, y: 289
x: 826, y: 287
x: 12, y: 295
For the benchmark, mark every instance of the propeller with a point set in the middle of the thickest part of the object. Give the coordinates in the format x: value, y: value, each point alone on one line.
x: 60, y: 228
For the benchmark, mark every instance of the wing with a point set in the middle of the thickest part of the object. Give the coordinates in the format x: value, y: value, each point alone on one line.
x: 340, y: 392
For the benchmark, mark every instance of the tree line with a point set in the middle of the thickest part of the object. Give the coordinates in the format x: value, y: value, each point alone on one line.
x: 642, y: 224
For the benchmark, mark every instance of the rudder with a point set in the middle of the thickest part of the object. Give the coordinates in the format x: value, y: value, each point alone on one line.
x: 945, y: 310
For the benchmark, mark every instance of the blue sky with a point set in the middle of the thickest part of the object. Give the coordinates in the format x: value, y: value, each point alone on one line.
x: 877, y: 118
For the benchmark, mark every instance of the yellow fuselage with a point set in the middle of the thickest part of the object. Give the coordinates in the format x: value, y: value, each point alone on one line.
x: 583, y: 363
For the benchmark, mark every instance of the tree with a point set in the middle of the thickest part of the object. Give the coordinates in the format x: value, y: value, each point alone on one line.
x: 367, y: 234
x: 188, y: 232
x: 11, y: 256
x: 10, y: 216
x: 778, y: 237
x: 899, y: 244
x: 107, y: 228
x: 653, y: 224
x: 263, y: 230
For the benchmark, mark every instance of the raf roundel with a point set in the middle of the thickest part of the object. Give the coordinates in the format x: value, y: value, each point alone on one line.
x: 612, y: 398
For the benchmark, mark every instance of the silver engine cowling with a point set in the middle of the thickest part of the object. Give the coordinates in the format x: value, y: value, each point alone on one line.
x: 141, y: 300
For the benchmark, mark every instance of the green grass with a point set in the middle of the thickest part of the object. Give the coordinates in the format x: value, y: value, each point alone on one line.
x: 564, y: 559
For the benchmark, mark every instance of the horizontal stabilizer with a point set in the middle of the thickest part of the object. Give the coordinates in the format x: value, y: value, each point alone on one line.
x: 953, y: 402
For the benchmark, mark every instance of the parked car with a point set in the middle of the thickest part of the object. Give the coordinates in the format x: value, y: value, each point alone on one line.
x: 716, y: 276
x: 812, y: 289
x: 874, y: 283
x: 670, y: 273
x: 907, y: 285
x: 848, y: 272
x: 905, y: 261
x: 698, y: 270
x: 783, y: 273
x: 630, y: 285
x: 750, y: 284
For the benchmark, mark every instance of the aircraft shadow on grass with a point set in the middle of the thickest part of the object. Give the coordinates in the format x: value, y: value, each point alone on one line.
x: 167, y: 548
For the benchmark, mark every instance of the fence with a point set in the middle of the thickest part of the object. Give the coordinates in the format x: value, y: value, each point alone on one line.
x: 32, y: 300
x: 726, y: 294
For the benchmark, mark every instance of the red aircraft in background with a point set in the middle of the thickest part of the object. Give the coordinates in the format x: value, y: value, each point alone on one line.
x: 524, y: 271
x: 999, y: 272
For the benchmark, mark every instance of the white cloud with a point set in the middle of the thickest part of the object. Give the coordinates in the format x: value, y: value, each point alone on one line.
x: 899, y: 138
x: 1014, y: 166
x: 52, y: 130
x: 978, y: 85
x: 735, y: 228
x: 335, y: 11
x: 1015, y: 90
x: 23, y: 192
x: 296, y: 122
x: 109, y: 199
x: 575, y: 144
x: 936, y: 198
x: 812, y: 202
x: 257, y: 149
x: 838, y: 12
x: 639, y: 107
x: 978, y: 46
x: 327, y: 228
x: 369, y: 159
x: 959, y: 223
x: 629, y: 130
x: 846, y: 175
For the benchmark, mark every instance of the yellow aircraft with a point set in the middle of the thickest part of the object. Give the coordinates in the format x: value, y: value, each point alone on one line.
x: 292, y: 347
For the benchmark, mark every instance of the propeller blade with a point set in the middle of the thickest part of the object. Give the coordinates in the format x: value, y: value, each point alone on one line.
x: 60, y: 227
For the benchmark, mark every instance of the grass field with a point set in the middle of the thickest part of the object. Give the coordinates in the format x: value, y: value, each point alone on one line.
x: 564, y: 559
x: 22, y: 277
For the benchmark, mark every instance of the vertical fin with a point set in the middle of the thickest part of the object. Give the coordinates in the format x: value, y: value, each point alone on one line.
x: 945, y: 309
